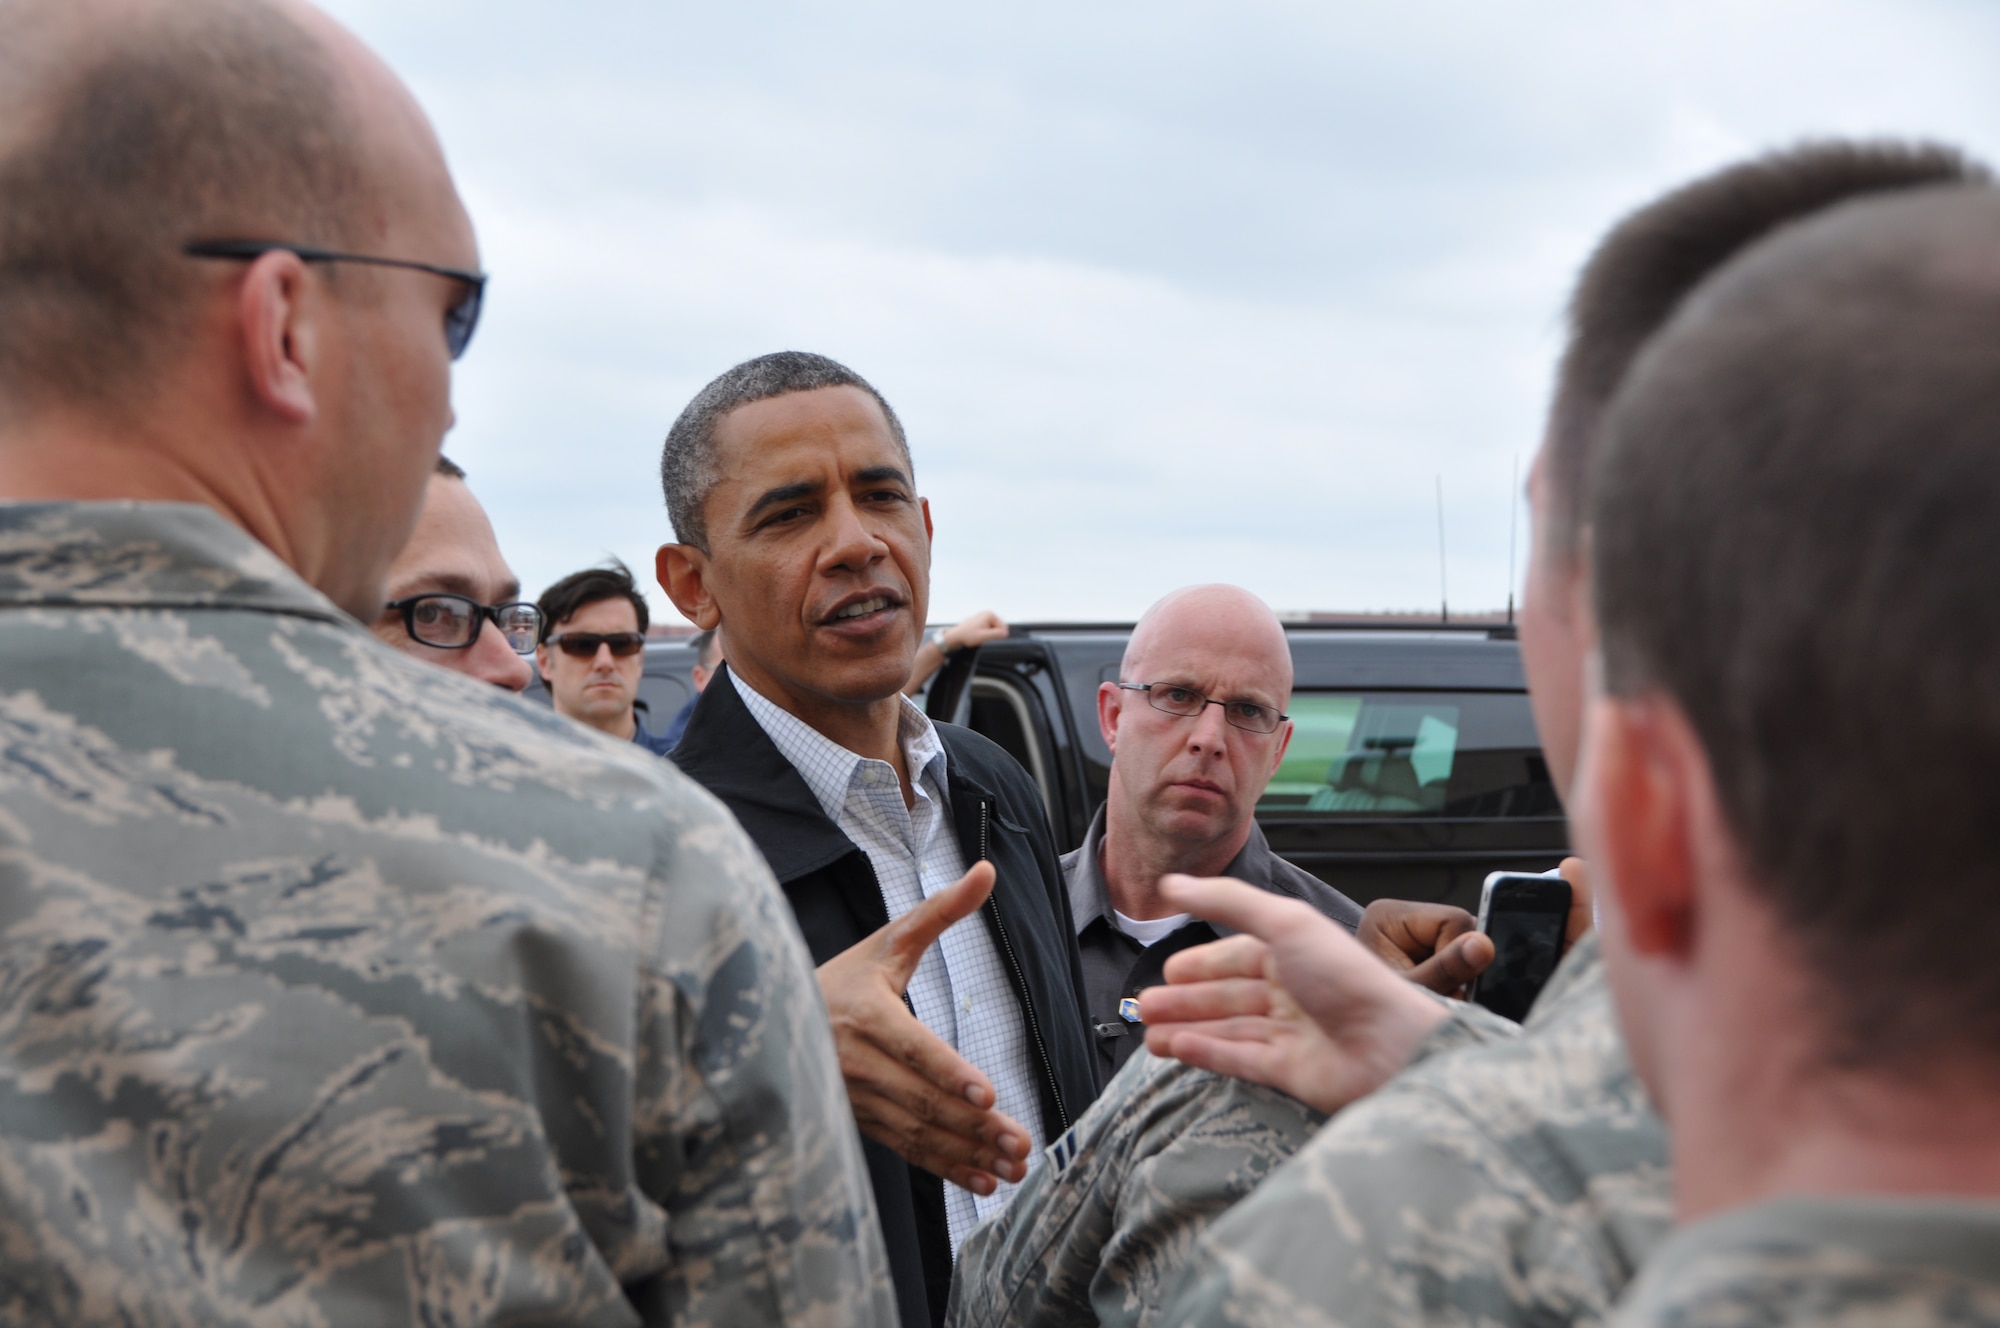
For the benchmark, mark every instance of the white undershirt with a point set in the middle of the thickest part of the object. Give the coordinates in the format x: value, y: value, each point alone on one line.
x: 1150, y: 931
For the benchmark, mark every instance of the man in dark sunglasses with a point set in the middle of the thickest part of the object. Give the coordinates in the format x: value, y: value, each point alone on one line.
x: 593, y: 649
x: 453, y: 602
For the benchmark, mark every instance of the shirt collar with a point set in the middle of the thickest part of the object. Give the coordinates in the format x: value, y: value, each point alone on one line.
x: 1090, y: 897
x: 829, y: 769
x: 144, y: 555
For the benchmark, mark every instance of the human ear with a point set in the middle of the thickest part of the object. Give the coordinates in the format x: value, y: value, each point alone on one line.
x: 682, y: 571
x: 1110, y: 700
x: 1637, y: 806
x: 281, y: 326
x: 1284, y: 743
x: 542, y: 660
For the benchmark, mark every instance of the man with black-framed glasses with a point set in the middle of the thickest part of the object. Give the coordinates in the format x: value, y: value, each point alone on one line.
x: 453, y: 602
x: 591, y: 651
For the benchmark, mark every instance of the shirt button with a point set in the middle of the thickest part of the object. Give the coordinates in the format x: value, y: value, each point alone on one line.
x: 968, y: 1005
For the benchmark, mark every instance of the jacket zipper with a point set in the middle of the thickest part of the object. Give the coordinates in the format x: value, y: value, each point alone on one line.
x: 1021, y: 980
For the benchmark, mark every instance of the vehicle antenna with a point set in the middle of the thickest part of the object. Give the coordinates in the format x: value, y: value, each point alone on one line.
x: 1513, y: 535
x: 1444, y: 600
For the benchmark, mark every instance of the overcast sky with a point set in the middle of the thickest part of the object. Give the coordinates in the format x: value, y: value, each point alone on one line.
x: 1164, y: 292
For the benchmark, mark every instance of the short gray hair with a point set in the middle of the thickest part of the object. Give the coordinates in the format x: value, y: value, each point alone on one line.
x: 218, y: 121
x: 688, y: 469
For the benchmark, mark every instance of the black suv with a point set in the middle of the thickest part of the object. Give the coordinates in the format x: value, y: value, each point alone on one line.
x: 1414, y: 768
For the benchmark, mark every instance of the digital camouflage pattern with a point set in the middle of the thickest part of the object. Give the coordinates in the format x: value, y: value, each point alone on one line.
x: 339, y: 989
x: 1516, y: 1183
x: 1829, y: 1262
x: 1097, y: 1232
x: 1100, y: 1233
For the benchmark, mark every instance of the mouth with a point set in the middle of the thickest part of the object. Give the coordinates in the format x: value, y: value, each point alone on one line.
x: 1200, y: 785
x: 863, y: 610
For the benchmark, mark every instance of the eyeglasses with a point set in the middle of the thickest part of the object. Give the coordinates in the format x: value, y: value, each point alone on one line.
x: 583, y: 645
x: 459, y: 320
x: 1186, y: 702
x: 453, y: 622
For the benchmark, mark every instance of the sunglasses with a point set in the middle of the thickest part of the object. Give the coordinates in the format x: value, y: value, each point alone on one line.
x: 459, y: 320
x: 583, y: 645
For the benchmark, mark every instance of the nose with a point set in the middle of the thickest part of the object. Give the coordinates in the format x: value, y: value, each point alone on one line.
x: 852, y: 545
x: 604, y: 659
x: 491, y: 660
x: 1209, y: 730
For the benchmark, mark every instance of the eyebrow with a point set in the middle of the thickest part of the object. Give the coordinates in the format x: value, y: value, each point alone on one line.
x: 784, y: 493
x: 454, y: 583
x: 880, y: 474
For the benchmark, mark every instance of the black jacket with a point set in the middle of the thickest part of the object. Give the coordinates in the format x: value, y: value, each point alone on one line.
x: 831, y: 884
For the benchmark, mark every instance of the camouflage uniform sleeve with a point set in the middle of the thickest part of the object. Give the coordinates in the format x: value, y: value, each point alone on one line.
x: 1514, y: 1183
x: 1465, y: 1025
x: 741, y: 1126
x: 1096, y: 1233
x: 1404, y: 1215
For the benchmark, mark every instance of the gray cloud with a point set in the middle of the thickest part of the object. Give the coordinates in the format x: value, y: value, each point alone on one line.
x: 1164, y: 291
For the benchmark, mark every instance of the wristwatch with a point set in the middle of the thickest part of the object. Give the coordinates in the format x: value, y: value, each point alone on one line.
x: 937, y: 639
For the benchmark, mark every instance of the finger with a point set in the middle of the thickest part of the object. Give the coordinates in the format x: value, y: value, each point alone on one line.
x: 890, y: 1030
x: 957, y: 1157
x: 1256, y: 1061
x: 1205, y: 1000
x: 1447, y: 923
x: 1241, y: 907
x: 1232, y: 957
x: 870, y: 1070
x: 1581, y: 916
x: 906, y: 939
x: 1447, y: 971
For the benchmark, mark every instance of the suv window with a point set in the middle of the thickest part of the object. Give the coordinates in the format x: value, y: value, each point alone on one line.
x: 1376, y: 754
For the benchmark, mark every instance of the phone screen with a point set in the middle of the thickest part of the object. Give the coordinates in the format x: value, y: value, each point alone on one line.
x: 1526, y: 916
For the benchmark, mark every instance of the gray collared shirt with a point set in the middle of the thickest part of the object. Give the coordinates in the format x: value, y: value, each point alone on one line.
x: 1115, y: 965
x: 960, y: 990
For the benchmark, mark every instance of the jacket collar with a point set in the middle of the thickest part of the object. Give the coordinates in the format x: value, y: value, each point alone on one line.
x: 726, y: 751
x: 145, y: 555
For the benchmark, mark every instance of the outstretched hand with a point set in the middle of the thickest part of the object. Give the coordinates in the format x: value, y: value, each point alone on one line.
x: 1293, y: 1002
x: 909, y: 1089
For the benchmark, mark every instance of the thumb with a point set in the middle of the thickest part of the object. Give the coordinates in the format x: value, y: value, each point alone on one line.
x: 1455, y: 964
x: 1230, y: 902
x: 917, y: 930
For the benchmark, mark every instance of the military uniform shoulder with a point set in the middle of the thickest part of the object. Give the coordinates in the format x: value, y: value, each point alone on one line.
x: 1819, y: 1260
x: 1567, y: 1067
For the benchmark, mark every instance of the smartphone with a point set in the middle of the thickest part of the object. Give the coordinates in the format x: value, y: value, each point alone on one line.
x: 1527, y: 917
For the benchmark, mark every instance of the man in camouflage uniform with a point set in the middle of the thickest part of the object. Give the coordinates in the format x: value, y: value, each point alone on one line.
x: 1788, y: 772
x: 334, y: 988
x: 1517, y: 1182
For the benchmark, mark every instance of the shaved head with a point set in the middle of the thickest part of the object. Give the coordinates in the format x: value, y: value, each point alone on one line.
x: 129, y: 128
x: 1229, y: 616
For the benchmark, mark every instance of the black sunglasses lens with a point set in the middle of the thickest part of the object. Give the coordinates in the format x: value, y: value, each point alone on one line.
x: 583, y: 645
x: 462, y: 318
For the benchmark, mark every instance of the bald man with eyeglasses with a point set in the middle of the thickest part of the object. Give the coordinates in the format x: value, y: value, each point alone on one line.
x: 1197, y: 727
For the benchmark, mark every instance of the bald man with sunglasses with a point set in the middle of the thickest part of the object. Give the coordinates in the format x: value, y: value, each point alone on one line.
x: 593, y: 650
